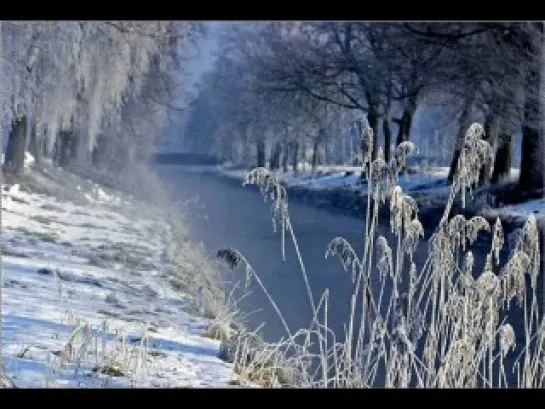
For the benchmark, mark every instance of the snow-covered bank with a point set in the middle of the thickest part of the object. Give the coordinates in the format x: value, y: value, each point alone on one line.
x: 341, y: 188
x: 92, y: 298
x: 518, y: 213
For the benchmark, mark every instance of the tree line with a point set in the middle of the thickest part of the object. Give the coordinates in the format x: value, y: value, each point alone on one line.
x: 282, y: 93
x: 89, y: 93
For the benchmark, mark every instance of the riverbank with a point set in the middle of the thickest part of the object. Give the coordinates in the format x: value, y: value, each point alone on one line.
x: 102, y: 290
x: 340, y: 189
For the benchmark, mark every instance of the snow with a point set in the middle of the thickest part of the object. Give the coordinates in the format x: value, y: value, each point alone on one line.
x: 333, y: 177
x: 520, y: 211
x: 88, y: 271
x: 427, y: 185
x: 28, y: 161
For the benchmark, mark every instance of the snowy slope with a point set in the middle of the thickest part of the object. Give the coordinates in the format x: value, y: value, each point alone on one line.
x: 87, y: 300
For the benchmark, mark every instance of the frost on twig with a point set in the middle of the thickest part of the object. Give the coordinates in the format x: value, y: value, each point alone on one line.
x: 349, y: 259
x: 234, y: 258
x: 475, y: 153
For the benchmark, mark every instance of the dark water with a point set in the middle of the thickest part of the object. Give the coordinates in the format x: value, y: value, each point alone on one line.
x: 237, y: 216
x: 231, y: 215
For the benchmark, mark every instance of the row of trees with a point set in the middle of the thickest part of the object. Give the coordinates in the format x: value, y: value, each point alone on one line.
x: 88, y: 93
x: 289, y: 85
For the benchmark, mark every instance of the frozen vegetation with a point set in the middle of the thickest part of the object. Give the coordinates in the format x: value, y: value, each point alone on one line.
x: 99, y: 291
x: 102, y: 286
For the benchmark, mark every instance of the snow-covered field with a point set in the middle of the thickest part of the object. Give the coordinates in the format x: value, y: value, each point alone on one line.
x: 88, y: 299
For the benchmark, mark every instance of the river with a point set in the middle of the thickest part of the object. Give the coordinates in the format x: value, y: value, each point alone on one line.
x: 229, y: 214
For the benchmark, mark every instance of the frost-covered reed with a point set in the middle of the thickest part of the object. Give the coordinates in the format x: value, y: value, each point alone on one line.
x: 439, y: 324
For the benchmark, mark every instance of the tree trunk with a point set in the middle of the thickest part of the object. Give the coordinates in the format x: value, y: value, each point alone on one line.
x: 285, y: 157
x: 74, y: 148
x: 532, y: 173
x: 344, y: 150
x: 372, y: 117
x: 502, y: 161
x: 15, y: 151
x: 325, y: 148
x: 245, y: 148
x: 405, y: 125
x: 272, y: 156
x: 275, y: 156
x: 260, y: 147
x: 359, y: 137
x: 57, y: 150
x: 35, y: 143
x: 304, y: 153
x: 98, y: 152
x: 43, y: 145
x: 462, y: 129
x: 387, y: 138
x: 95, y: 157
x: 295, y: 156
x: 315, y: 153
x: 65, y: 139
x: 351, y: 156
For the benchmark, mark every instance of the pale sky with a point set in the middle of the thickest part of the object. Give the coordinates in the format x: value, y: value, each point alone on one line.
x: 203, y: 59
x: 206, y: 50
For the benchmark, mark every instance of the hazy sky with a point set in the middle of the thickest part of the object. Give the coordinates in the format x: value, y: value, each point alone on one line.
x: 201, y: 61
x: 205, y: 51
